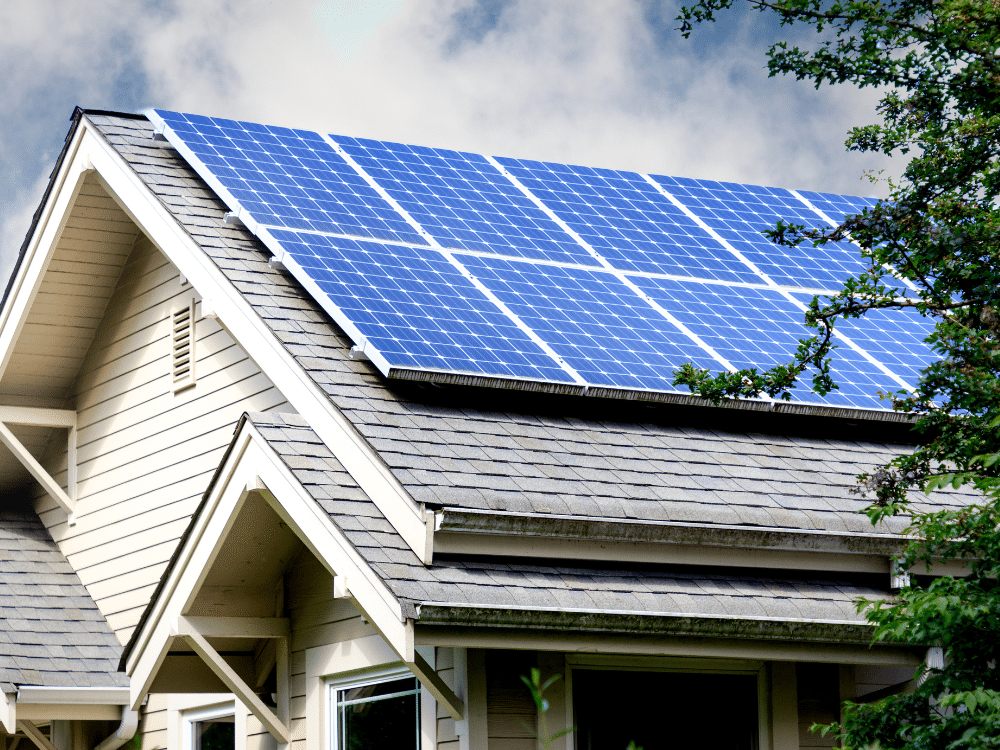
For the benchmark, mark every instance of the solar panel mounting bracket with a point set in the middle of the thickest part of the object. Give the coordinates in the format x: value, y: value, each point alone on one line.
x: 233, y: 218
x: 358, y: 352
x: 276, y: 264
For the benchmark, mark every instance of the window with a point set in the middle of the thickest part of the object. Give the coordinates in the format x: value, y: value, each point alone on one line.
x: 217, y: 733
x: 378, y: 713
x: 660, y: 710
x: 210, y: 727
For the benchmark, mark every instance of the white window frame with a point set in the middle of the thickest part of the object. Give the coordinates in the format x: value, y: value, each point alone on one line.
x: 357, y: 661
x: 184, y: 710
x: 334, y: 684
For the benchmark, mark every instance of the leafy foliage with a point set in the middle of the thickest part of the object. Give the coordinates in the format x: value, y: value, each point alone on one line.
x: 931, y: 249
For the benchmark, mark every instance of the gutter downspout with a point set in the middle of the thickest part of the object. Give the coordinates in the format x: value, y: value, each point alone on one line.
x: 125, y: 731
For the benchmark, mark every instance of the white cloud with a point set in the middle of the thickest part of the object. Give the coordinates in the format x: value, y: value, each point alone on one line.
x: 584, y: 81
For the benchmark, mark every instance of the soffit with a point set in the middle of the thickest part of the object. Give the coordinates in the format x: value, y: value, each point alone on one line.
x: 64, y: 316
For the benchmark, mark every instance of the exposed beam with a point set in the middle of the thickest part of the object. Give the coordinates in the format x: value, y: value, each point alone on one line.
x: 224, y: 672
x: 437, y: 687
x: 234, y: 627
x: 37, y: 417
x: 36, y: 469
x: 35, y: 735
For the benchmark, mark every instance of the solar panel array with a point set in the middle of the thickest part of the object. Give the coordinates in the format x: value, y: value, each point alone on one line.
x: 449, y: 265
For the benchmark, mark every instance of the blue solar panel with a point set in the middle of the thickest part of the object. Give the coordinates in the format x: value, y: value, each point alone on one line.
x: 416, y: 308
x: 761, y: 328
x: 463, y: 201
x: 893, y: 337
x: 739, y: 213
x: 628, y: 221
x: 600, y: 327
x: 837, y: 206
x: 288, y: 178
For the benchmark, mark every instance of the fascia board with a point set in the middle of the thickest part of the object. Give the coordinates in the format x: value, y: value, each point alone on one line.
x: 253, y: 466
x: 74, y: 696
x: 39, y: 253
x: 361, y: 461
x: 490, y: 524
x: 210, y: 526
x: 327, y: 542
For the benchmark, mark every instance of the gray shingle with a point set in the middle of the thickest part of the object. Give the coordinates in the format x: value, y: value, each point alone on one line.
x: 48, y: 621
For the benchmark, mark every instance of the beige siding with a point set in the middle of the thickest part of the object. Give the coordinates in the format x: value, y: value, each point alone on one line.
x: 146, y: 454
x: 512, y: 720
x: 153, y: 723
x: 317, y: 620
x: 445, y: 663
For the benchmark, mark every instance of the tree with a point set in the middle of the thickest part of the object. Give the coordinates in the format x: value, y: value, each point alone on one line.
x: 938, y: 62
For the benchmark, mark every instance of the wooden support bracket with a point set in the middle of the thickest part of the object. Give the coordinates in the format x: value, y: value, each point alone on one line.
x: 36, y: 417
x: 35, y: 735
x: 277, y: 728
x: 437, y: 687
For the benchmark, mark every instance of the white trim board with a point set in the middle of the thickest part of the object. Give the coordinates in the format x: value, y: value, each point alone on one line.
x: 252, y: 466
x: 91, y: 151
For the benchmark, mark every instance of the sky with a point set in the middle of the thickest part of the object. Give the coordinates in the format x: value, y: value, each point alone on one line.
x: 605, y: 83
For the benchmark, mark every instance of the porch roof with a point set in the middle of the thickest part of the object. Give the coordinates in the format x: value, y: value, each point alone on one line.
x: 51, y: 631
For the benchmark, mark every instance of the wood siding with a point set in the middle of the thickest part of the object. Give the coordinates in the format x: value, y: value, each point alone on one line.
x: 317, y: 620
x: 146, y: 454
x: 512, y: 720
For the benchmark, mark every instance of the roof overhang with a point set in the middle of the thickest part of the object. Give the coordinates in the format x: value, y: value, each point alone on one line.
x: 89, y: 156
x: 462, y: 531
x: 252, y: 472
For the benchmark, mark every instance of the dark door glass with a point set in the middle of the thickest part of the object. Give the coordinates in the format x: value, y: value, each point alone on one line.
x: 215, y: 734
x: 383, y: 716
x: 664, y: 710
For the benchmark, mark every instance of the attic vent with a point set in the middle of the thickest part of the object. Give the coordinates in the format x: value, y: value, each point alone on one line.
x: 183, y: 348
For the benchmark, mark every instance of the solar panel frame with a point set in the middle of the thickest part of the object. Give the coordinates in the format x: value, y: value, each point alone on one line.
x: 296, y: 180
x: 608, y: 299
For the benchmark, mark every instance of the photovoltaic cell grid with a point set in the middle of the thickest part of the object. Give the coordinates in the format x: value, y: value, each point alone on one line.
x: 837, y: 206
x: 416, y: 308
x: 419, y: 312
x: 895, y: 338
x: 761, y: 328
x: 599, y: 326
x: 628, y: 221
x: 739, y: 213
x: 463, y: 201
x: 288, y: 178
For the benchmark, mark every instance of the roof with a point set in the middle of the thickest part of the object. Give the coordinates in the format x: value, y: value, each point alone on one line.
x: 559, y: 596
x: 52, y: 633
x: 511, y: 452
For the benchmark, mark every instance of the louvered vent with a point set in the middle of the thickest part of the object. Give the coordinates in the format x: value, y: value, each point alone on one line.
x: 183, y: 348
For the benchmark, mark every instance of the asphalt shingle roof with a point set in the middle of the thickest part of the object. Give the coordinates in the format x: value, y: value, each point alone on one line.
x: 51, y: 632
x: 495, y: 585
x: 450, y: 450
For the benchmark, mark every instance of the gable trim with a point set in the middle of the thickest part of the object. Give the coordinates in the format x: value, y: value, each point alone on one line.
x: 413, y: 523
x: 252, y: 466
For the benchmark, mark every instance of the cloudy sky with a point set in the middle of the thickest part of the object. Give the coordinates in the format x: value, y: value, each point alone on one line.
x: 597, y: 82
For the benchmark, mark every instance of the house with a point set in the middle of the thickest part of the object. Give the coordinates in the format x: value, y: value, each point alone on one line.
x: 294, y: 549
